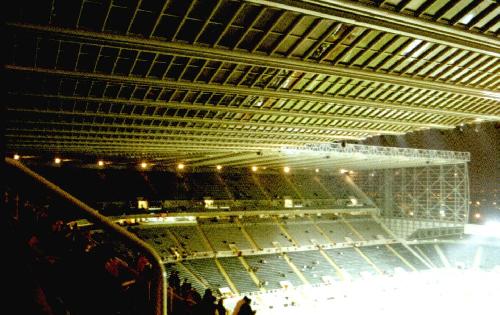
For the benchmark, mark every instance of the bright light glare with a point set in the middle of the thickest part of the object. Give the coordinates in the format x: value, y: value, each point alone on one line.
x: 286, y: 169
x: 343, y: 171
x: 219, y: 167
x: 254, y: 168
x: 492, y: 228
x: 445, y: 291
x: 477, y: 215
x: 144, y: 165
x: 57, y: 160
x: 180, y: 166
x: 16, y: 157
x: 100, y: 163
x: 467, y: 18
x: 317, y: 170
x: 412, y: 46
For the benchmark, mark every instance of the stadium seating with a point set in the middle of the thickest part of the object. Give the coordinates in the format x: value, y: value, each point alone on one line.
x: 240, y: 276
x: 352, y: 264
x: 313, y: 266
x: 206, y: 269
x: 304, y: 233
x: 271, y: 270
x: 221, y: 235
x: 430, y: 254
x: 409, y: 256
x: 180, y: 191
x: 384, y: 259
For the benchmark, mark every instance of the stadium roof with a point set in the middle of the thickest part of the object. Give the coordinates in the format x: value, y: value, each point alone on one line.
x: 207, y: 78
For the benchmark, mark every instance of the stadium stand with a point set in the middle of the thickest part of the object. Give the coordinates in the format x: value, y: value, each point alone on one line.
x: 234, y: 250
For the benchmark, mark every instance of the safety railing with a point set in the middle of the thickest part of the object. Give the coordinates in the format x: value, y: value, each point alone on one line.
x: 159, y: 280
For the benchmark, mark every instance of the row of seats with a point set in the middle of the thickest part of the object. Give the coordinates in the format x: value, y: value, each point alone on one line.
x: 107, y: 184
x: 261, y: 232
x: 274, y: 271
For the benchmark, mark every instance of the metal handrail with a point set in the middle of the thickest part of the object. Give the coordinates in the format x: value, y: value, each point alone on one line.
x: 102, y: 221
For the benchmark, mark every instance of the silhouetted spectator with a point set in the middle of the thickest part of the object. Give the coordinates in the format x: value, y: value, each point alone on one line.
x: 174, y: 281
x: 208, y: 303
x: 185, y: 288
x: 219, y: 308
x: 245, y: 308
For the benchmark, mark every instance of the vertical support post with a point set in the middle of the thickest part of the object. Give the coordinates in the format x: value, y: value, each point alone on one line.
x: 466, y: 192
x: 388, y: 197
x: 441, y: 179
x: 428, y: 214
x: 403, y: 191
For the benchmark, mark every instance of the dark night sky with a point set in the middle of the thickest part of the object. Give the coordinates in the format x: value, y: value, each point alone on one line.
x: 483, y: 143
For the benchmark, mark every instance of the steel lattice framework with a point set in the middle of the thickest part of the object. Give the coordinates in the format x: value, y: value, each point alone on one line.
x: 201, y: 78
x: 420, y: 202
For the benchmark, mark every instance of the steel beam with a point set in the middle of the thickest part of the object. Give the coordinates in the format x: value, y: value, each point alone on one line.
x: 285, y: 127
x: 254, y: 59
x: 127, y: 135
x: 356, y: 13
x: 140, y: 145
x: 251, y: 91
x: 245, y: 110
x: 253, y: 132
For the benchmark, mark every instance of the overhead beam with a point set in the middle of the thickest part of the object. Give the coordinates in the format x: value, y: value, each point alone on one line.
x: 254, y: 59
x: 245, y: 110
x: 220, y: 159
x: 253, y: 132
x: 35, y: 147
x: 226, y: 161
x: 286, y: 127
x: 77, y: 134
x: 248, y: 91
x: 356, y: 13
x: 139, y: 145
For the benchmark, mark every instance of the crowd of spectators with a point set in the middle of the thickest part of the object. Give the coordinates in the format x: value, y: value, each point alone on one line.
x: 185, y: 299
x: 81, y: 271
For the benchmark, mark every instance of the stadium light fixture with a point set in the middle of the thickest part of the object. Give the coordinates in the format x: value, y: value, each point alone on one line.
x: 100, y: 163
x: 16, y: 157
x: 254, y: 168
x: 144, y: 165
x: 57, y: 160
x: 180, y: 166
x: 218, y: 167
